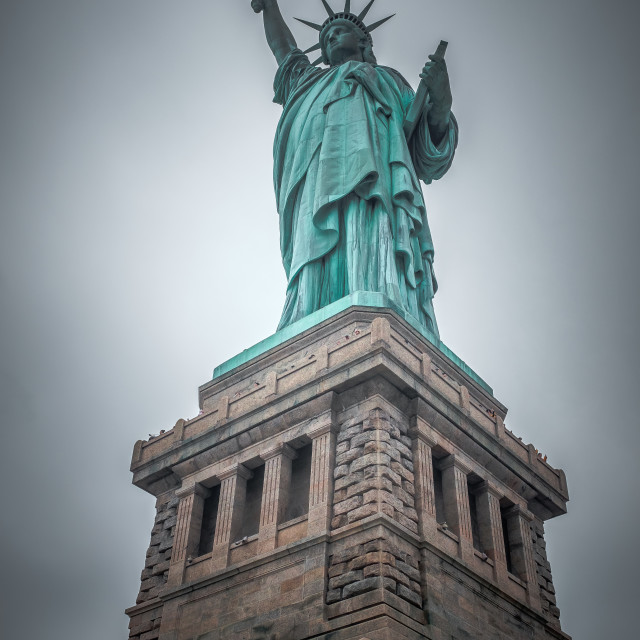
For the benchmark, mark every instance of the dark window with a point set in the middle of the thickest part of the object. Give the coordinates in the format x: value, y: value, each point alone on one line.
x: 507, y: 540
x: 209, y: 517
x: 473, y: 512
x: 298, y: 503
x: 253, y: 504
x: 439, y: 494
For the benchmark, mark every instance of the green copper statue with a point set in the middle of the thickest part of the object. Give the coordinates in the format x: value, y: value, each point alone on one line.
x: 347, y: 164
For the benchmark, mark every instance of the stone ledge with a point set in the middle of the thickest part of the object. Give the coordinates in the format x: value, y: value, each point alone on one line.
x: 293, y: 522
x: 144, y: 607
x: 375, y: 612
x: 244, y: 566
x: 372, y: 598
x: 361, y: 299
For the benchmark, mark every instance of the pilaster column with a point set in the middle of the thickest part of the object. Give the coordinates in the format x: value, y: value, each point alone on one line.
x: 323, y: 456
x: 275, y: 494
x: 423, y: 467
x: 456, y: 503
x: 518, y: 521
x: 233, y: 492
x: 187, y: 533
x: 490, y: 525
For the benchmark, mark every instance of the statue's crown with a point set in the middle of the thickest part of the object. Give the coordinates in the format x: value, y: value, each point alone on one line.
x: 356, y: 20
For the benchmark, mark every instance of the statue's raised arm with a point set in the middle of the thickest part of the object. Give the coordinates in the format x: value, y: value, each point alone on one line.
x: 279, y: 36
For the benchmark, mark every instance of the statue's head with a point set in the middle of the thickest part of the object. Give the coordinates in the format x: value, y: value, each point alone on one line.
x: 351, y: 26
x: 342, y: 35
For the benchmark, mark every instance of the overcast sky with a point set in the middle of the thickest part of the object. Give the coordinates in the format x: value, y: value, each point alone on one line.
x: 139, y: 249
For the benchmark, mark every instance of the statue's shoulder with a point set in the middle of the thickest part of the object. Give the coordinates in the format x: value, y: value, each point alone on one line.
x: 397, y: 76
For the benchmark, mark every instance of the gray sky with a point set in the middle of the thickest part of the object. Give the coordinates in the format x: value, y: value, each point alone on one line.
x: 139, y: 249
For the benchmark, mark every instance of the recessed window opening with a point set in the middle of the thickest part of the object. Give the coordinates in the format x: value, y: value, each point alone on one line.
x: 475, y: 523
x: 438, y: 493
x: 298, y: 503
x: 209, y: 518
x: 253, y: 503
x: 513, y: 543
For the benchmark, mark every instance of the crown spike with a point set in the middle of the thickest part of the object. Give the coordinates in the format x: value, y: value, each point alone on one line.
x: 347, y: 6
x: 375, y: 25
x: 330, y: 11
x: 313, y: 25
x: 316, y: 62
x: 314, y: 48
x: 366, y: 10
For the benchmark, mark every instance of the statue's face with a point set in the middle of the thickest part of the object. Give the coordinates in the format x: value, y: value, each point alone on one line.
x: 342, y: 42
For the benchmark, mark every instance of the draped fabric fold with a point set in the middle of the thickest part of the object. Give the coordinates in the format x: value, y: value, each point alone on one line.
x: 352, y: 214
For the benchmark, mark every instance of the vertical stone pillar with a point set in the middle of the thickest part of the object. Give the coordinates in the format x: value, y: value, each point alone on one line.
x: 233, y: 492
x: 490, y: 525
x: 275, y: 494
x: 456, y: 503
x: 423, y: 468
x: 323, y: 454
x: 522, y: 558
x: 187, y: 533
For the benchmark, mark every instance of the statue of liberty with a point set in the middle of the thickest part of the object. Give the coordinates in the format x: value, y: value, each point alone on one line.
x: 347, y: 167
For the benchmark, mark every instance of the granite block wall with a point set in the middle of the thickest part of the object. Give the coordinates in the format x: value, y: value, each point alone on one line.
x: 374, y: 474
x: 156, y: 568
x: 543, y: 569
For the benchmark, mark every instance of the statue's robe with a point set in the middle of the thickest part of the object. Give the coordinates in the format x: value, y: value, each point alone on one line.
x: 352, y: 215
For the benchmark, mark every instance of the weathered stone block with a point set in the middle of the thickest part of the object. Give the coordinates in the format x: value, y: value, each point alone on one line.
x: 345, y: 579
x: 370, y: 460
x: 342, y: 447
x: 334, y: 595
x: 341, y: 471
x: 402, y: 495
x: 362, y: 512
x: 167, y: 543
x: 347, y: 434
x: 407, y: 569
x: 382, y: 447
x: 407, y: 464
x: 348, y: 480
x: 349, y: 456
x: 402, y: 449
x: 347, y: 505
x: 160, y: 568
x: 345, y: 555
x: 380, y: 471
x: 409, y: 595
x: 386, y: 571
x: 370, y: 436
x: 370, y: 484
x: 409, y: 487
x: 340, y: 568
x: 406, y: 441
x: 402, y: 471
x: 373, y: 557
x: 368, y: 584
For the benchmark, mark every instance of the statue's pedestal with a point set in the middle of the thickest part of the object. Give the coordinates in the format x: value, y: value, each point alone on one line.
x: 348, y: 479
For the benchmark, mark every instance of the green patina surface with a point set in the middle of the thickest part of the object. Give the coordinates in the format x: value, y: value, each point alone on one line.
x: 359, y: 299
x: 352, y: 145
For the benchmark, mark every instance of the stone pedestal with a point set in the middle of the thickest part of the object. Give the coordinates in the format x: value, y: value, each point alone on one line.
x: 417, y: 513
